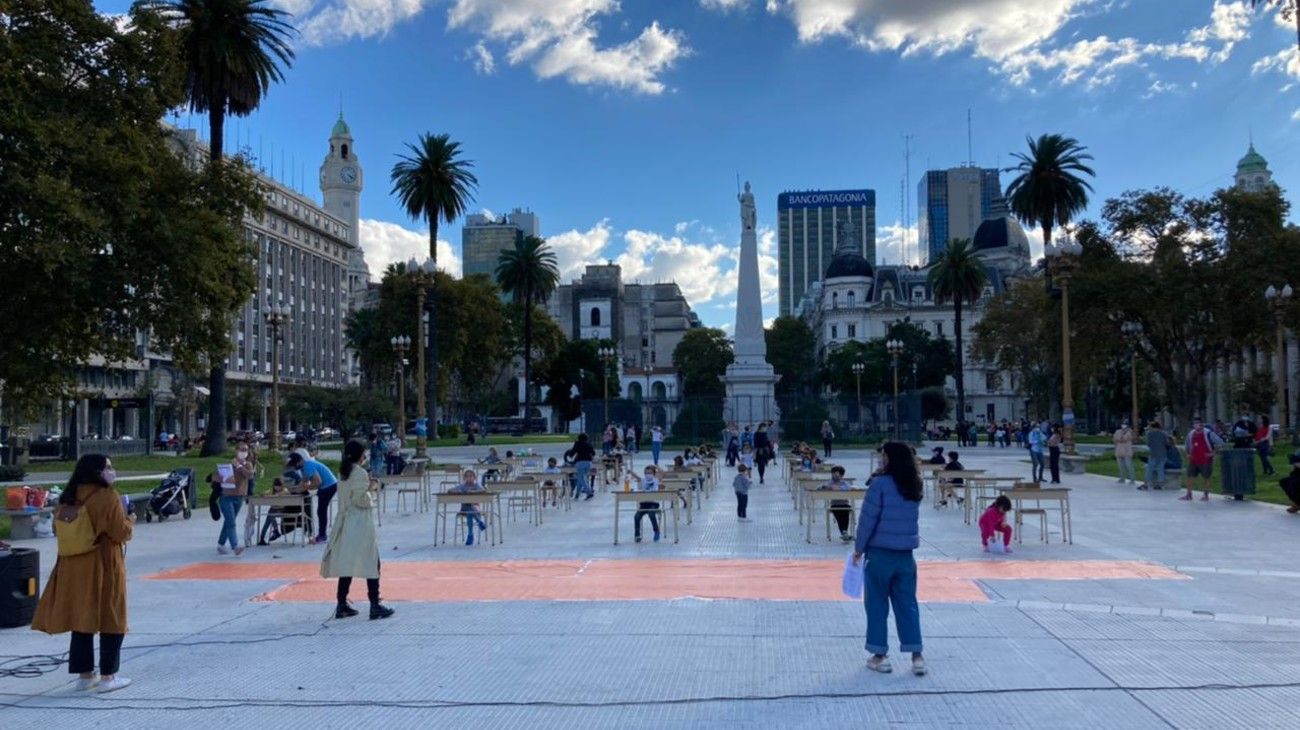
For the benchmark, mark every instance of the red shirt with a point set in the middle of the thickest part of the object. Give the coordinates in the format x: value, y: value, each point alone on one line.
x: 1201, y: 454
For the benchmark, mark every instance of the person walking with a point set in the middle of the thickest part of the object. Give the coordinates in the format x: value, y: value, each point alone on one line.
x: 316, y: 476
x: 353, y: 550
x: 1264, y: 445
x: 762, y: 450
x: 732, y: 437
x: 1054, y: 453
x: 656, y: 443
x: 1123, y: 439
x: 86, y: 591
x: 234, y: 489
x: 742, y: 484
x: 1158, y: 444
x: 888, y: 532
x: 1201, y: 445
x: 828, y: 435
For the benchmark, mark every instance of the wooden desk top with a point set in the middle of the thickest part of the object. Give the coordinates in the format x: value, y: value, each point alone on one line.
x: 622, y: 496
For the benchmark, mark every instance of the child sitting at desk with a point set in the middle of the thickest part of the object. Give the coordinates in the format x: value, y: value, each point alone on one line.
x: 649, y: 484
x: 679, y: 467
x: 550, y: 485
x: 841, y: 510
x: 469, y: 485
x: 947, y: 485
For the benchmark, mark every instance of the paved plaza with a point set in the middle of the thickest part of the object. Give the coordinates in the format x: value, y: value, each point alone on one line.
x: 1161, y: 614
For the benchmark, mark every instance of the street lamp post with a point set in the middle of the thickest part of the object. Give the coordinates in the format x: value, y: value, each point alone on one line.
x: 607, y: 355
x: 857, y: 376
x: 1132, y: 331
x: 276, y: 317
x: 401, y: 344
x: 1062, y: 258
x: 1279, y: 299
x: 423, y: 277
x: 895, y: 348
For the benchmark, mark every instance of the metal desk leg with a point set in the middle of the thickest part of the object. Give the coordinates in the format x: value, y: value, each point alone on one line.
x: 616, y: 503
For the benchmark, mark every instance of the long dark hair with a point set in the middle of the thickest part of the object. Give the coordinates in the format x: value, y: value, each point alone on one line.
x: 89, y: 470
x: 902, y: 467
x: 353, y: 452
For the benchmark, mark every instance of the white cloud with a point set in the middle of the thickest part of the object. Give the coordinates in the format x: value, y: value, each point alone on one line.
x: 1295, y: 115
x: 484, y: 62
x: 724, y: 5
x: 387, y: 243
x: 1016, y: 36
x: 559, y: 39
x: 892, y: 247
x: 769, y: 277
x: 328, y: 21
x: 575, y: 249
x: 696, y: 267
x: 1286, y: 61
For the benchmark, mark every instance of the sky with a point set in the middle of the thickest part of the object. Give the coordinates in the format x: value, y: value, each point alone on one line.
x: 624, y: 125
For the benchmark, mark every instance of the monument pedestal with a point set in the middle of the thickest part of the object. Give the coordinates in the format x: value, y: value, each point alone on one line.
x: 751, y: 395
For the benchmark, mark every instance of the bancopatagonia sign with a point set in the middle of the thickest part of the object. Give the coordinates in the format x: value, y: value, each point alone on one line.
x: 826, y: 198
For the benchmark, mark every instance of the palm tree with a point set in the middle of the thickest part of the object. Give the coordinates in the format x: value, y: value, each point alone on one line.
x: 958, y: 276
x: 1288, y: 6
x: 433, y: 183
x: 1050, y: 189
x: 233, y: 51
x: 529, y: 274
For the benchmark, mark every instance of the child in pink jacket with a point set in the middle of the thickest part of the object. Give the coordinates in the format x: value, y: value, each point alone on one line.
x: 993, y: 521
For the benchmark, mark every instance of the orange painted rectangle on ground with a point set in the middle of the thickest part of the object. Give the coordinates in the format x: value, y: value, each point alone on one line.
x: 652, y: 579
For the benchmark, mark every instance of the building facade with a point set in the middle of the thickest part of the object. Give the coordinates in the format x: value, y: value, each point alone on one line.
x: 808, y: 226
x: 952, y: 204
x: 859, y: 302
x: 484, y: 237
x: 645, y: 321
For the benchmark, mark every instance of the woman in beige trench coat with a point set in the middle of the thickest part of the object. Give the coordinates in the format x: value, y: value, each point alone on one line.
x: 353, y: 550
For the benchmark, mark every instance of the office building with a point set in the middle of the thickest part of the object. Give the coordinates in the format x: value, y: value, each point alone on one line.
x: 484, y: 237
x: 952, y: 204
x: 808, y: 226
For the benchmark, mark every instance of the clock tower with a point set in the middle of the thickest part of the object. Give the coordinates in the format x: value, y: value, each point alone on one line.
x: 341, y: 179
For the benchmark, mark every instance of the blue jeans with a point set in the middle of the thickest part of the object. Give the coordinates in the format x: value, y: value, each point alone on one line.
x: 229, y: 511
x: 655, y: 448
x: 1155, y: 472
x: 1037, y: 465
x: 584, y: 477
x: 471, y: 518
x: 891, y: 579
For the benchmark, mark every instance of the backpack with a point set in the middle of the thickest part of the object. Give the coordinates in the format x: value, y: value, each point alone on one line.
x: 75, y: 534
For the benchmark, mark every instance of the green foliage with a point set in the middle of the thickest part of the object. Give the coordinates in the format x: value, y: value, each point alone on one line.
x: 702, y: 357
x: 790, y: 348
x: 449, y: 431
x: 935, y: 405
x: 1257, y: 393
x: 804, y: 421
x: 104, y: 229
x: 528, y: 273
x: 700, y: 418
x: 959, y: 277
x: 932, y: 357
x: 576, y: 363
x: 12, y: 473
x: 1019, y: 333
x: 1050, y: 189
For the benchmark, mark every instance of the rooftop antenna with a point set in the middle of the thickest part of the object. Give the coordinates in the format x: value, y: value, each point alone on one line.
x: 970, y: 146
x: 902, y: 203
x: 907, y: 185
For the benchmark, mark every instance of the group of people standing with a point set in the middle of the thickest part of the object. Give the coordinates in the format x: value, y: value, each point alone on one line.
x: 751, y: 447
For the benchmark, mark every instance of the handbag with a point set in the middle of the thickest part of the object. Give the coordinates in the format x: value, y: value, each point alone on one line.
x: 852, y: 580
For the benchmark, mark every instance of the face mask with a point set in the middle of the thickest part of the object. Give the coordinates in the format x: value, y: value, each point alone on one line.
x: 242, y: 454
x: 109, y: 476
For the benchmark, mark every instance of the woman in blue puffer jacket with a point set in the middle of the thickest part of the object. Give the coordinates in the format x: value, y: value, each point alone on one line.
x: 888, y: 532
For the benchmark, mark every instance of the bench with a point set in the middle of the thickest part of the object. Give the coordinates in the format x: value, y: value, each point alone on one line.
x: 23, y: 522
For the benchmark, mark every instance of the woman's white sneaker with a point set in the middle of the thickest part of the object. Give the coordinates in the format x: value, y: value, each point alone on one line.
x: 113, y: 684
x: 85, y: 685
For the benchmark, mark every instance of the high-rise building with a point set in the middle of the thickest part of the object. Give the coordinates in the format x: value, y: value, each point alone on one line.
x: 484, y: 238
x: 952, y: 203
x: 808, y: 226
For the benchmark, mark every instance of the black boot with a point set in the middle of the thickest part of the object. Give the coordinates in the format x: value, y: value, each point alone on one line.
x: 344, y: 611
x: 379, y: 610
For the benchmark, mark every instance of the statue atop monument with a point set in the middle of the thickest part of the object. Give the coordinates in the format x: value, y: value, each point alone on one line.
x: 748, y: 213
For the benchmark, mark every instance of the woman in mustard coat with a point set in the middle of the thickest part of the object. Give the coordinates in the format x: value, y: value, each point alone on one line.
x: 86, y: 593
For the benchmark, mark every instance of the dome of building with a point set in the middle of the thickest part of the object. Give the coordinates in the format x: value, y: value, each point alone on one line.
x: 1252, y: 162
x: 849, y: 263
x: 1000, y: 230
x: 341, y: 128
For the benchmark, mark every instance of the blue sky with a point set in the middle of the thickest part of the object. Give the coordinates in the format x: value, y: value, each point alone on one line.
x: 623, y: 125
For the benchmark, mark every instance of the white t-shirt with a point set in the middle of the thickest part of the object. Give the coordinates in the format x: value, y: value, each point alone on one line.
x: 657, y: 436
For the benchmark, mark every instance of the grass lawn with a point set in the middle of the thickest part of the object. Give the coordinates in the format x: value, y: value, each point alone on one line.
x: 1266, y: 488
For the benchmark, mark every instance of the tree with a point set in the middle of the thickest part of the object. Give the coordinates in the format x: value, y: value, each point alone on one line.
x: 1050, y: 191
x: 233, y: 50
x: 932, y: 358
x: 958, y: 276
x: 790, y: 346
x: 1257, y: 393
x: 702, y: 357
x: 1290, y: 9
x: 935, y: 405
x: 433, y: 183
x: 576, y: 364
x: 1018, y: 334
x: 105, y: 231
x: 528, y: 273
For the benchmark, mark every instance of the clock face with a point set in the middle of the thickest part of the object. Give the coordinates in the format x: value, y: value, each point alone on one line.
x: 348, y: 175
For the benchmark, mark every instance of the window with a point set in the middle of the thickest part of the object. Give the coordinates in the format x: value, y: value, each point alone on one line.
x: 853, y: 331
x: 991, y: 382
x: 835, y: 300
x: 345, y: 152
x: 595, y: 317
x: 918, y: 294
x: 938, y: 329
x: 852, y: 302
x: 887, y: 294
x: 835, y: 332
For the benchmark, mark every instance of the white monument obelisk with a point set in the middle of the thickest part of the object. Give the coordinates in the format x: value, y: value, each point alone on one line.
x: 750, y: 380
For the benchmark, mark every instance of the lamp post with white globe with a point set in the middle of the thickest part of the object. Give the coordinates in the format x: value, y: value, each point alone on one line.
x: 1062, y: 259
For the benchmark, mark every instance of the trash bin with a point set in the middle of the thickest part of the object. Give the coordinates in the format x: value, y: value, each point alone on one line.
x: 20, y: 586
x: 1239, y: 472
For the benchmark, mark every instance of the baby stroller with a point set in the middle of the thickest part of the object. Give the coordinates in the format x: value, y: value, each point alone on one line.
x: 172, y: 496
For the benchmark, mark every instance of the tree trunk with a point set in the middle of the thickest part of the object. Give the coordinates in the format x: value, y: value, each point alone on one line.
x: 431, y: 344
x: 528, y: 351
x: 961, y: 368
x: 215, y: 435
